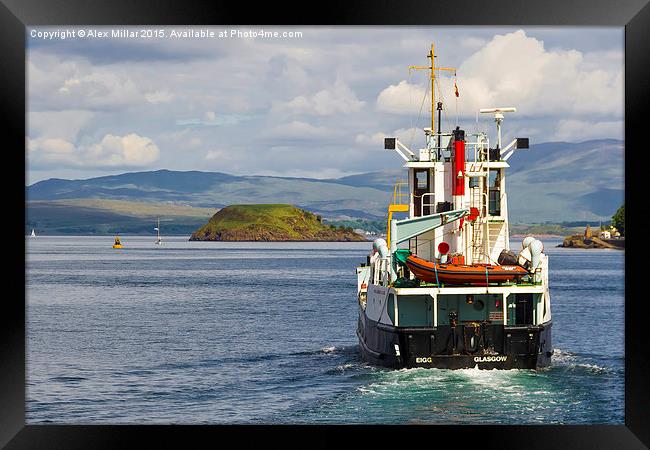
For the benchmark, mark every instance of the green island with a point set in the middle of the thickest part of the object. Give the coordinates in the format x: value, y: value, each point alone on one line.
x: 270, y: 222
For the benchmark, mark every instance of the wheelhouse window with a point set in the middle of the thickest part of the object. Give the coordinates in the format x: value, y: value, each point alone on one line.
x: 494, y: 192
x: 421, y: 186
x: 421, y: 179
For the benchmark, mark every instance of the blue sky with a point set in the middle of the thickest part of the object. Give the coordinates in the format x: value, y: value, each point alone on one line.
x: 317, y: 105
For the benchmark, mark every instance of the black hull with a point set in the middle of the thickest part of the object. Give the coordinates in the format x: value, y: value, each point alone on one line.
x: 446, y: 347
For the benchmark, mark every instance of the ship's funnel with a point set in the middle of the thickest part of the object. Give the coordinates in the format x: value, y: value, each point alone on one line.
x: 458, y: 164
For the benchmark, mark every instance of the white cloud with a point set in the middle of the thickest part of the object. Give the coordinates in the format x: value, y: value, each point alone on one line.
x: 411, y: 137
x: 129, y: 150
x: 338, y: 99
x: 186, y: 138
x: 58, y: 124
x: 374, y: 139
x: 516, y: 70
x: 52, y: 146
x: 471, y: 42
x: 401, y: 98
x: 100, y: 88
x: 299, y: 130
x: 55, y: 84
x: 112, y: 151
x: 217, y: 154
x: 211, y: 119
x: 162, y: 96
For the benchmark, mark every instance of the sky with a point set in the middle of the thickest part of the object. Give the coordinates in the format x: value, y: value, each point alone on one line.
x: 316, y: 104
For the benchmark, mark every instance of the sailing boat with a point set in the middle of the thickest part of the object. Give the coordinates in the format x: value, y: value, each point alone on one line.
x: 33, y: 233
x: 158, y: 238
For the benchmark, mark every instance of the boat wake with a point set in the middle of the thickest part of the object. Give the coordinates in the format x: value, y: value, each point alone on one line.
x: 568, y: 361
x: 332, y: 350
x: 441, y: 383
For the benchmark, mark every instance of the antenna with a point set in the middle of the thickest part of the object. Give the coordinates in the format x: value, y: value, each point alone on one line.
x: 498, y: 118
x: 433, y: 69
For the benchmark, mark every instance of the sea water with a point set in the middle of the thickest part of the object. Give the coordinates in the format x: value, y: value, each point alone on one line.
x: 230, y: 333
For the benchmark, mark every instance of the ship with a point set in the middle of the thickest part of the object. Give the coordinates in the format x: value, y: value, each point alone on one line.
x: 444, y: 289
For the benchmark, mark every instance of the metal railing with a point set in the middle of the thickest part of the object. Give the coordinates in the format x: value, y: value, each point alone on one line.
x: 422, y: 204
x: 398, y: 195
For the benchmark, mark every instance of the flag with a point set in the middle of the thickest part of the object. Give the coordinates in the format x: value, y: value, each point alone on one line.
x: 455, y: 89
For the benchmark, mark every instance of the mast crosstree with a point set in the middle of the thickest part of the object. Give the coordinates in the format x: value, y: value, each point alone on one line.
x: 433, y: 69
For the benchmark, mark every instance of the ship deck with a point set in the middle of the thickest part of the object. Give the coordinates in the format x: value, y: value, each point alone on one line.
x: 496, y: 289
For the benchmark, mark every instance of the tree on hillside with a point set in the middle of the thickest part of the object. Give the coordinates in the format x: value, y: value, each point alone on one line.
x: 618, y: 219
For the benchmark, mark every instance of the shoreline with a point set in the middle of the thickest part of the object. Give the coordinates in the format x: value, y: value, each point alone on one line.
x: 185, y: 236
x: 543, y: 236
x: 512, y: 236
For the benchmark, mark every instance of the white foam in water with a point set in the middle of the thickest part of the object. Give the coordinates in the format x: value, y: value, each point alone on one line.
x: 344, y: 367
x: 570, y: 360
x: 559, y: 354
x: 397, y: 383
x: 328, y: 349
x: 592, y: 368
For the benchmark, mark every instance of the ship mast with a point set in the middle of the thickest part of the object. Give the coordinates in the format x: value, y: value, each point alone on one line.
x: 433, y: 69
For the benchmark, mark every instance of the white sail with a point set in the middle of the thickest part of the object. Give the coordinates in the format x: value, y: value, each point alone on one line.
x: 158, y: 240
x: 33, y: 233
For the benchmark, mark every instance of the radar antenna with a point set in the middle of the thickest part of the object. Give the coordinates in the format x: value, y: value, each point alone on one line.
x: 498, y: 118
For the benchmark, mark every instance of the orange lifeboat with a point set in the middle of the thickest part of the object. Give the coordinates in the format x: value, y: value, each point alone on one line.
x: 476, y: 274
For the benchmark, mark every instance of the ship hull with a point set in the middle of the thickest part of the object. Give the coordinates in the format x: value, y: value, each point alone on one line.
x: 445, y: 347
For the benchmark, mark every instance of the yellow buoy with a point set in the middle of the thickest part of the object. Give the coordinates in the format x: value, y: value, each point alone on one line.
x: 117, y: 243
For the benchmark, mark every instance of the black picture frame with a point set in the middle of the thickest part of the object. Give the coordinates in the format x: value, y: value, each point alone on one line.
x: 16, y: 15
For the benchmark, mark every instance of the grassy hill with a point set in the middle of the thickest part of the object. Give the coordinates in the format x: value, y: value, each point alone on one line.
x: 270, y: 222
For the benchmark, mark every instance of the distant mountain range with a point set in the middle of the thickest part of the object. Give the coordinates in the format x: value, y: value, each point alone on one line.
x: 550, y: 182
x: 363, y: 195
